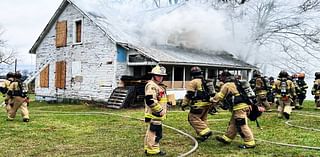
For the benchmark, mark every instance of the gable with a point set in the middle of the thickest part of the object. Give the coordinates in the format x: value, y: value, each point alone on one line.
x: 65, y: 10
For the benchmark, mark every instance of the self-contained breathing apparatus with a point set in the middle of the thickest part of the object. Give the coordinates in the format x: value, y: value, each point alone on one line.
x: 283, y: 91
x: 246, y: 95
x: 204, y: 94
x: 207, y: 89
x: 199, y: 95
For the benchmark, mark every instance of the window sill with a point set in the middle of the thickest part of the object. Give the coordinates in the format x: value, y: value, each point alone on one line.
x: 75, y: 44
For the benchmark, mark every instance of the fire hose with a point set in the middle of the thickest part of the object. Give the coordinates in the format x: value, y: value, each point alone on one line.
x: 195, y: 146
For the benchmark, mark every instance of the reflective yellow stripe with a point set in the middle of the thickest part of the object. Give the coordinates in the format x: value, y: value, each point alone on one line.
x: 226, y: 138
x: 153, y: 150
x: 156, y: 107
x: 204, y: 131
x: 220, y: 95
x: 278, y: 96
x: 240, y: 106
x: 200, y: 104
x: 250, y: 143
x: 163, y: 100
x: 262, y: 92
x: 148, y: 115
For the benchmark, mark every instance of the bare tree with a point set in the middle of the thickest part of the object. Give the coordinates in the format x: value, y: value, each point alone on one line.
x: 7, y: 55
x: 310, y: 5
x: 290, y: 29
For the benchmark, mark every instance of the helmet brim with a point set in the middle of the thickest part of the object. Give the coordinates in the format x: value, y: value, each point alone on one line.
x: 157, y: 74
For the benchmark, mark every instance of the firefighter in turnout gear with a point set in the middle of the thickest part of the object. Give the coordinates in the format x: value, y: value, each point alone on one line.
x: 240, y: 111
x: 155, y: 110
x: 261, y: 87
x: 197, y: 98
x: 301, y: 90
x: 285, y: 94
x: 4, y: 90
x: 316, y: 90
x: 18, y: 99
x: 271, y: 94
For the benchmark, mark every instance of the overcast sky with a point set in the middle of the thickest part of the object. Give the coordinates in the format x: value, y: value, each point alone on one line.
x: 23, y: 21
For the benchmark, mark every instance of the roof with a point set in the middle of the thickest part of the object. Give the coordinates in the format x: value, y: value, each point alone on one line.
x: 169, y: 54
x: 116, y: 29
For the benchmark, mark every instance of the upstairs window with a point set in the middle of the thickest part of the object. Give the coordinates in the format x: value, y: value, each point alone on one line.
x: 61, y: 34
x: 77, y: 31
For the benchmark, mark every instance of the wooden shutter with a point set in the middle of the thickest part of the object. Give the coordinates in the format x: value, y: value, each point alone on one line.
x: 44, y: 77
x: 60, y: 74
x: 78, y: 31
x: 61, y: 34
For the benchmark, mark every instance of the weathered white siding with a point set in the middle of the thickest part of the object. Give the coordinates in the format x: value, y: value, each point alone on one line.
x: 96, y: 55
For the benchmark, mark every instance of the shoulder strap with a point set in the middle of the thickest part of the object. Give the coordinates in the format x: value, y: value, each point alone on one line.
x: 204, y: 85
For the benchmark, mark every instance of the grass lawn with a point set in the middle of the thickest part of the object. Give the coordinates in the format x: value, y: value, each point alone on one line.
x: 69, y: 130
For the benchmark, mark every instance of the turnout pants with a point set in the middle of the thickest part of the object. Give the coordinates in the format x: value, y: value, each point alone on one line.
x: 284, y: 107
x: 153, y: 137
x: 262, y: 100
x: 198, y: 120
x: 238, y: 124
x: 14, y: 104
x: 317, y: 101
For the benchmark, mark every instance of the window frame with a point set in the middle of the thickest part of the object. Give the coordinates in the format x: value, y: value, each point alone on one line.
x: 74, y: 40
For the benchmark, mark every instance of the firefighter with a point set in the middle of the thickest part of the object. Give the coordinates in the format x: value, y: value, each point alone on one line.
x: 301, y: 90
x: 316, y: 90
x: 285, y: 94
x: 261, y: 87
x: 4, y: 89
x: 18, y: 99
x: 197, y: 97
x: 270, y: 93
x: 5, y: 85
x: 240, y: 109
x: 155, y: 110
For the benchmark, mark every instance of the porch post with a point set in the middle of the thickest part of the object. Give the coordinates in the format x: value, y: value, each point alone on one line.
x: 206, y: 74
x: 184, y: 77
x: 172, y: 80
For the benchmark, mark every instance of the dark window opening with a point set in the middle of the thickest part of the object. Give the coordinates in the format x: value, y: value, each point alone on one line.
x: 78, y: 31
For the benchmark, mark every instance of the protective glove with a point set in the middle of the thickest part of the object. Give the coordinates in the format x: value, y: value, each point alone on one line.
x: 212, y: 110
x: 184, y: 106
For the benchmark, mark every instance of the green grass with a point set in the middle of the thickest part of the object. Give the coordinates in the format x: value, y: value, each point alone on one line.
x: 53, y: 131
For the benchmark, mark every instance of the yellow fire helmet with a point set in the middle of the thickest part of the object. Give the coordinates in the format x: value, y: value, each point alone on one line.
x: 158, y: 70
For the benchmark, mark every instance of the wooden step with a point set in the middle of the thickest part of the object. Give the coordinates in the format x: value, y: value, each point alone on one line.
x: 116, y: 100
x: 117, y: 97
x: 119, y: 94
x: 121, y: 91
x: 114, y: 106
